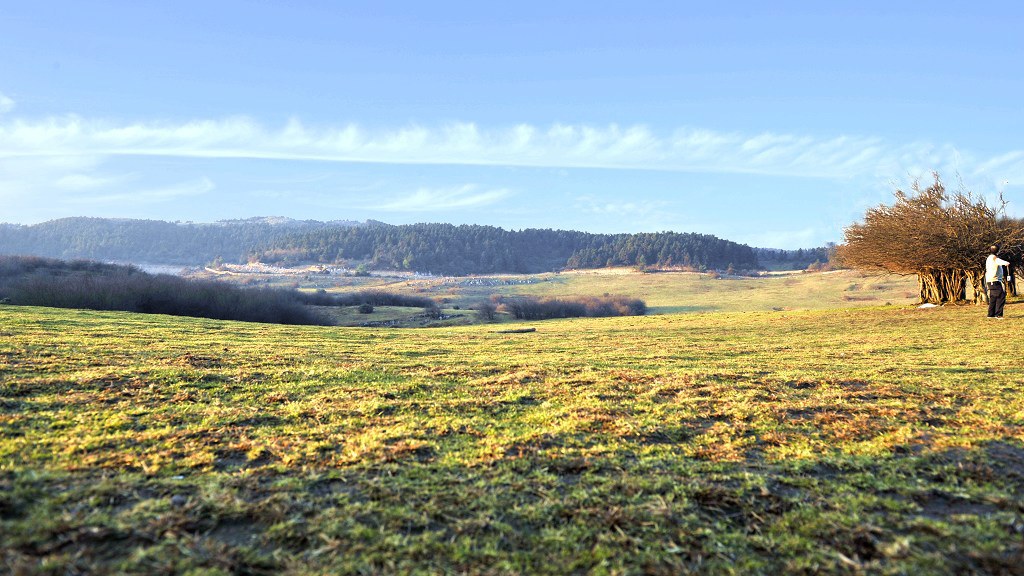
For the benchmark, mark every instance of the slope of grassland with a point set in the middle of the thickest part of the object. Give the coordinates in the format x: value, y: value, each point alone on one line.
x: 879, y: 440
x: 684, y: 292
x: 664, y: 292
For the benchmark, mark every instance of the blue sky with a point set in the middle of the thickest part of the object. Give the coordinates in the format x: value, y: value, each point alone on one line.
x: 774, y: 124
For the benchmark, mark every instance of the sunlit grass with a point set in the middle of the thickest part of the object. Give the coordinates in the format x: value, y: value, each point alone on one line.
x: 882, y: 440
x: 685, y: 292
x: 664, y: 292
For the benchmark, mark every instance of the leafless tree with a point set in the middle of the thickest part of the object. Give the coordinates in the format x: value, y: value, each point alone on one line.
x: 941, y: 237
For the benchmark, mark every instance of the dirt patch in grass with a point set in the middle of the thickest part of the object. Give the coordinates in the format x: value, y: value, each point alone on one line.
x: 236, y: 533
x: 939, y: 504
x: 1007, y: 460
x: 199, y: 361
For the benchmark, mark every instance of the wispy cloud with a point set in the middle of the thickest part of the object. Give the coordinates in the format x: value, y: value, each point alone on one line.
x: 592, y: 205
x: 173, y: 192
x: 616, y: 214
x: 28, y: 177
x: 428, y: 199
x: 84, y: 182
x: 558, y: 145
x: 190, y: 188
x: 6, y: 104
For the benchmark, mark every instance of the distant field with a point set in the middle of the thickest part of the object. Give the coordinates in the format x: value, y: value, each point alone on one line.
x: 664, y: 293
x: 883, y: 439
x: 680, y: 292
x: 683, y: 292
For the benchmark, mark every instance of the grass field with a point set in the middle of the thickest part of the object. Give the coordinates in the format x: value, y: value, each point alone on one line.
x: 849, y: 439
x: 664, y: 293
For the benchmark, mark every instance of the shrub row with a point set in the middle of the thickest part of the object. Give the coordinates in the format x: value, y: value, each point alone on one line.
x: 525, y: 308
x: 34, y: 281
x: 366, y: 297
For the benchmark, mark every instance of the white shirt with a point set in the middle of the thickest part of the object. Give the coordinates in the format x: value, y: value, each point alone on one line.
x: 992, y: 271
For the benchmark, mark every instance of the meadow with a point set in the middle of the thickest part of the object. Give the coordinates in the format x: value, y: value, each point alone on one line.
x: 781, y: 435
x: 663, y: 292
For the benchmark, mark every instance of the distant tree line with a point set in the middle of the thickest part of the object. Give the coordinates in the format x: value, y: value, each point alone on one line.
x: 799, y: 259
x: 437, y: 248
x: 35, y: 281
x: 153, y: 241
x: 943, y: 237
x: 473, y: 249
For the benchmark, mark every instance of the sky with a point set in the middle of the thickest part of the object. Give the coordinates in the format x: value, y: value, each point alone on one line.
x: 774, y: 124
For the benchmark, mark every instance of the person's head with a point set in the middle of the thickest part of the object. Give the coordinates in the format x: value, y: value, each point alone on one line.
x: 993, y: 249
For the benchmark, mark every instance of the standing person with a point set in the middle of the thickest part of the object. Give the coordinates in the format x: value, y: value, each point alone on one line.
x: 994, y: 283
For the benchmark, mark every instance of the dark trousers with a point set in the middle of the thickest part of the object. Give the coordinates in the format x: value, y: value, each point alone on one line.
x: 996, y: 299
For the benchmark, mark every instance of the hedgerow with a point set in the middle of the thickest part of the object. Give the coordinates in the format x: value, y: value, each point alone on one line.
x: 33, y: 281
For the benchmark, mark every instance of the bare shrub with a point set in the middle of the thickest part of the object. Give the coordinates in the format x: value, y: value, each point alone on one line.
x: 526, y: 308
x: 941, y: 237
x: 432, y: 310
x: 487, y: 311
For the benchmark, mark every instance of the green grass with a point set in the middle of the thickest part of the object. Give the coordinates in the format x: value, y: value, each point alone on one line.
x: 395, y: 317
x: 886, y: 440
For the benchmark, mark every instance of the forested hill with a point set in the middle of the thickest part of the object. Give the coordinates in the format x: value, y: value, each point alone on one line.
x: 436, y: 248
x: 450, y: 249
x: 149, y: 240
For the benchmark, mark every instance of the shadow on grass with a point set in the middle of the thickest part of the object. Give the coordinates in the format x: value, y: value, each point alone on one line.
x: 555, y: 505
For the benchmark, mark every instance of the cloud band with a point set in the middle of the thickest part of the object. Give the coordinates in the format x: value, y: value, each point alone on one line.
x: 559, y: 145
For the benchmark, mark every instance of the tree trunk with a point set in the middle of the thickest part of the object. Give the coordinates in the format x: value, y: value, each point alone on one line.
x: 977, y: 280
x: 955, y: 285
x: 930, y: 290
x: 941, y: 286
